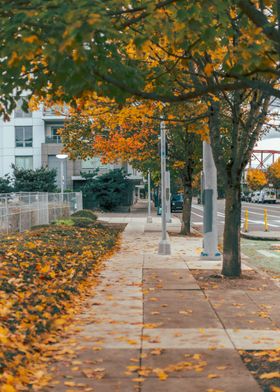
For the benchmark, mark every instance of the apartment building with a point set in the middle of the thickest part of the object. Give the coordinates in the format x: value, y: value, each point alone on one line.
x: 30, y: 140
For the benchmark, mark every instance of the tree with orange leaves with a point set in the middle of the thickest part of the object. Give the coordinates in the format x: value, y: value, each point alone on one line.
x: 256, y: 179
x: 273, y: 174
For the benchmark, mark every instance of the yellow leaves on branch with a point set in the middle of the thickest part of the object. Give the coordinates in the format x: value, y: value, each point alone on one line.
x: 208, y: 69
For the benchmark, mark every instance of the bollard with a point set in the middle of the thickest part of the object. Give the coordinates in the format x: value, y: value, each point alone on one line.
x: 246, y: 221
x: 265, y: 220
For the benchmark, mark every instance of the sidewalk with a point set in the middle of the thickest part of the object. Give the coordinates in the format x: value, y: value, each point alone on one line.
x: 158, y: 323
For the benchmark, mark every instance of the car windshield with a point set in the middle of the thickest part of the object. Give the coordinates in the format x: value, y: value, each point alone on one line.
x: 177, y: 198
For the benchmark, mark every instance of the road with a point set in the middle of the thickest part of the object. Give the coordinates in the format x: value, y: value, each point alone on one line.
x: 256, y: 215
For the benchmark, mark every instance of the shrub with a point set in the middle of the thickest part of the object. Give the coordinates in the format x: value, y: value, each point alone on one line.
x: 39, y: 180
x: 82, y: 221
x: 64, y: 222
x: 37, y: 227
x: 108, y: 190
x: 85, y: 214
x: 6, y: 184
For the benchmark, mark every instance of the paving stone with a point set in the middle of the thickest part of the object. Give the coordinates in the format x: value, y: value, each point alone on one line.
x: 169, y: 279
x: 268, y: 302
x: 184, y: 363
x: 191, y: 338
x: 203, y: 384
x: 157, y: 261
x: 109, y: 385
x: 237, y: 310
x: 249, y: 339
x: 114, y: 362
x: 178, y: 309
x: 114, y: 339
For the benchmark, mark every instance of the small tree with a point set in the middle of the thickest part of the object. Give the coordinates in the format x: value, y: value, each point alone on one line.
x: 39, y: 180
x: 273, y: 174
x: 109, y: 190
x: 256, y: 179
x: 5, y: 184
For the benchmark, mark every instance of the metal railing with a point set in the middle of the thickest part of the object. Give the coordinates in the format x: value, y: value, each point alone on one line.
x: 53, y: 139
x: 21, y: 211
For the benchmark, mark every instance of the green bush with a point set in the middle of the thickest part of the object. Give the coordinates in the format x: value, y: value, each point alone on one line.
x: 39, y: 180
x: 82, y: 221
x: 108, y: 191
x: 37, y: 227
x: 6, y: 184
x: 64, y: 222
x: 85, y: 214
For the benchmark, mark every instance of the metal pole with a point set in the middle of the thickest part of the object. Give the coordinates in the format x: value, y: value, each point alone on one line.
x: 149, y: 217
x: 168, y: 195
x: 61, y: 177
x: 210, y: 239
x: 164, y: 245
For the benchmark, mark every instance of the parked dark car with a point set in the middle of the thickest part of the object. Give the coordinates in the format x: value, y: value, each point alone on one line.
x: 177, y: 202
x: 248, y: 197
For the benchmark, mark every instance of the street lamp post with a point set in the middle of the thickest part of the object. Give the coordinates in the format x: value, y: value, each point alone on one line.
x: 164, y: 245
x: 62, y: 158
x: 149, y: 217
x: 168, y: 196
x: 210, y: 232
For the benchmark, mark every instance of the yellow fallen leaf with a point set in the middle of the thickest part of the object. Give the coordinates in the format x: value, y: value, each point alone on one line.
x: 138, y: 379
x: 160, y: 374
x: 7, y: 388
x: 69, y: 383
x: 212, y: 376
x: 274, y: 389
x: 268, y: 376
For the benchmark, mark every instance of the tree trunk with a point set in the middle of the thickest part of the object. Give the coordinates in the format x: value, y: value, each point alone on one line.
x: 231, y: 243
x: 187, y: 208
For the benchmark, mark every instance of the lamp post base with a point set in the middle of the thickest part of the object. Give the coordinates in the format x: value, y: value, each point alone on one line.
x: 164, y: 248
x: 149, y: 219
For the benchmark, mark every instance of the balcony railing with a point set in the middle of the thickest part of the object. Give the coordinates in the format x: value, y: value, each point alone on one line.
x: 53, y: 139
x: 55, y: 111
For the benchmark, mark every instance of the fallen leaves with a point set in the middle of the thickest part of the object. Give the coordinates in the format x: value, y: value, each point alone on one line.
x: 268, y: 376
x: 43, y: 275
x: 97, y: 373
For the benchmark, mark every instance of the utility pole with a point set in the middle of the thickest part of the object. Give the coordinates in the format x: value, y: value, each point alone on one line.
x: 149, y: 217
x: 164, y: 245
x: 210, y: 195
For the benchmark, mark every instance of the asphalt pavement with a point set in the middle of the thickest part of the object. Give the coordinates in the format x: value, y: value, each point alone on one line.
x: 255, y: 215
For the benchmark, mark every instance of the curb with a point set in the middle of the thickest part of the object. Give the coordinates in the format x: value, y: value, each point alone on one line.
x: 258, y: 237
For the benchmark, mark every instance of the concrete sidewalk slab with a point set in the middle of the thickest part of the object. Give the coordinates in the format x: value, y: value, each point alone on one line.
x: 154, y: 261
x: 248, y: 339
x: 169, y: 279
x: 188, y: 338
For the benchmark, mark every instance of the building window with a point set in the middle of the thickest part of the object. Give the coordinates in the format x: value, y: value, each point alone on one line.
x: 54, y: 133
x: 23, y: 136
x: 19, y: 113
x: 24, y: 162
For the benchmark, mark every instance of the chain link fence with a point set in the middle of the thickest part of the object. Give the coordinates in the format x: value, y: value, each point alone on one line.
x: 21, y: 211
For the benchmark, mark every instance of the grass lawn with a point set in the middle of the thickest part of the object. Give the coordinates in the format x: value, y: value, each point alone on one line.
x: 44, y: 275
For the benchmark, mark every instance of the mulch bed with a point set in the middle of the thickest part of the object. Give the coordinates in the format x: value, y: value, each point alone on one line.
x: 250, y: 280
x: 265, y: 367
